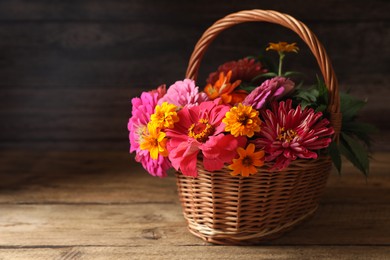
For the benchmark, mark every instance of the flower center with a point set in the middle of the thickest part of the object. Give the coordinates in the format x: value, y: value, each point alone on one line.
x: 247, y: 161
x: 140, y: 132
x: 244, y: 119
x: 286, y: 135
x: 150, y: 143
x: 201, y: 130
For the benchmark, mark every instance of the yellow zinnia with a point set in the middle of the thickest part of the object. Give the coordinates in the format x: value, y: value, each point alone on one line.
x: 242, y: 120
x: 283, y: 47
x: 248, y: 161
x: 165, y: 115
x: 154, y: 140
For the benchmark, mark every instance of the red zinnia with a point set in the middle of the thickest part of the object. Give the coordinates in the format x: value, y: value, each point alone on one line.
x: 200, y: 130
x: 288, y: 134
x: 244, y: 69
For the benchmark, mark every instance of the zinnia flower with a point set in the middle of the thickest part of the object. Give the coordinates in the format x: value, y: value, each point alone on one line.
x: 224, y: 89
x: 164, y: 116
x: 268, y: 91
x: 288, y: 134
x: 283, y: 47
x: 242, y: 120
x: 248, y: 161
x: 184, y: 93
x: 154, y: 141
x: 142, y: 109
x: 200, y: 130
x: 244, y: 69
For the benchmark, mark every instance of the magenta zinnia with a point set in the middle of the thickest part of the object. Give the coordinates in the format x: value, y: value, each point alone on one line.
x: 200, y: 130
x: 143, y: 108
x: 268, y: 91
x: 288, y: 134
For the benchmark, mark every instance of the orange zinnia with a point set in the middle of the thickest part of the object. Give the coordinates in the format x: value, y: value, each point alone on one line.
x: 248, y: 161
x: 224, y: 89
x: 283, y: 47
x: 242, y: 121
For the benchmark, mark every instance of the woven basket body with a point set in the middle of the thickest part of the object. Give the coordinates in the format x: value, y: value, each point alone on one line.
x: 224, y: 209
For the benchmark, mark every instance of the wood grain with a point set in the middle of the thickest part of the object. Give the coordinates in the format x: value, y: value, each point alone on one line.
x: 119, y: 10
x: 69, y: 68
x: 109, y: 55
x: 84, y: 205
x: 163, y: 224
x: 70, y: 190
x: 205, y: 252
x: 114, y: 177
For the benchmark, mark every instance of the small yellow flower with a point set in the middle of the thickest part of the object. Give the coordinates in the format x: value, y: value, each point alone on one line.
x: 283, y: 47
x: 248, y: 161
x: 242, y: 120
x: 164, y: 116
x: 154, y: 140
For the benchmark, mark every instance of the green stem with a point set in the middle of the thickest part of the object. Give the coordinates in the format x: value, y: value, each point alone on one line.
x: 281, y: 57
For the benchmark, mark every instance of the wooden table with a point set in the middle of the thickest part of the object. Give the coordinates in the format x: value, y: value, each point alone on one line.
x: 101, y: 205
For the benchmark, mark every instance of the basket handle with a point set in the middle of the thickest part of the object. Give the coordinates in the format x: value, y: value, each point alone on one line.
x: 289, y: 22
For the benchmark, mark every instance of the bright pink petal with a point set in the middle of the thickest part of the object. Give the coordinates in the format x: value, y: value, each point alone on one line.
x: 183, y: 94
x: 184, y: 156
x: 142, y: 108
x: 221, y: 149
x: 212, y: 164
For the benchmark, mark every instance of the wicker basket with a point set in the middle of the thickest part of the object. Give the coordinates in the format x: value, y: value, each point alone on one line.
x: 224, y: 209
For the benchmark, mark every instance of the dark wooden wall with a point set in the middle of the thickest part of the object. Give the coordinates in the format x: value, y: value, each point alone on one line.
x: 69, y: 68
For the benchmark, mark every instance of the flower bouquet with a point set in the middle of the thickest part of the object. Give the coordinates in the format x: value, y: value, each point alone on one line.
x: 252, y: 149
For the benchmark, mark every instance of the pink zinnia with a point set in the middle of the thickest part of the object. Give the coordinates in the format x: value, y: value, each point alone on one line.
x: 244, y: 69
x: 270, y: 90
x: 184, y: 93
x: 200, y: 129
x: 288, y: 134
x: 143, y: 107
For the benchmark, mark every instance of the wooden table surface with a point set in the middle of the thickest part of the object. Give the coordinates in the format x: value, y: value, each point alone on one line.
x: 101, y: 205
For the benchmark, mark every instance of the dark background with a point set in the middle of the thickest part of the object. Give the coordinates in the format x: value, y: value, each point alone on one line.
x: 68, y: 69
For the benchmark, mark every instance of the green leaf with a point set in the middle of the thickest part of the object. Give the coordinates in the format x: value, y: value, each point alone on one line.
x: 309, y: 95
x: 350, y: 106
x: 315, y: 96
x: 360, y: 130
x: 355, y: 153
x: 267, y: 62
x: 335, y: 155
x: 247, y: 87
x: 292, y: 73
x: 323, y: 91
x: 305, y: 104
x: 321, y: 108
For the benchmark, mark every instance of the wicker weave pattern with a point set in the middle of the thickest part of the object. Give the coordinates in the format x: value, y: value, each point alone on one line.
x: 224, y: 209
